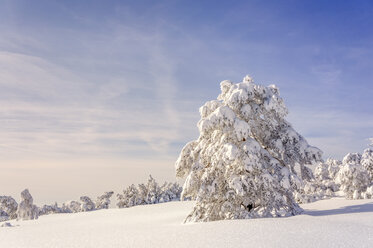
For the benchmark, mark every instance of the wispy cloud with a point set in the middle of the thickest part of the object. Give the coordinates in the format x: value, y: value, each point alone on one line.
x: 334, y: 131
x: 46, y: 108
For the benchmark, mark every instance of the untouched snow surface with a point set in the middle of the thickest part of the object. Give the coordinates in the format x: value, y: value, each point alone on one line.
x: 329, y: 223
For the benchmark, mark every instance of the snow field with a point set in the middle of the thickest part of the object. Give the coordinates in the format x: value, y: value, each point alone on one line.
x: 334, y: 222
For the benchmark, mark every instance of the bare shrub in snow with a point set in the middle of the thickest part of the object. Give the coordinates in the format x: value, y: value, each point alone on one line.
x: 26, y: 209
x: 149, y: 193
x: 8, y: 208
x: 353, y: 177
x: 242, y: 164
x: 103, y: 201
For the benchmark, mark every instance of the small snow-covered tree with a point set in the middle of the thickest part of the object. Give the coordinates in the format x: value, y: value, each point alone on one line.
x: 334, y: 166
x: 3, y: 216
x: 142, y: 194
x: 50, y: 209
x: 26, y: 209
x: 242, y: 164
x: 353, y: 177
x: 8, y: 207
x: 352, y: 158
x: 72, y: 207
x: 368, y: 194
x: 103, y: 201
x: 367, y: 162
x: 149, y: 193
x: 325, y: 174
x: 170, y: 192
x: 87, y: 204
x: 323, y: 186
x: 129, y: 197
x: 153, y: 191
x: 322, y: 172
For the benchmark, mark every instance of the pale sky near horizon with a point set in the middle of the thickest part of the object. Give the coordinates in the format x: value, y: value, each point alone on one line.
x: 97, y: 95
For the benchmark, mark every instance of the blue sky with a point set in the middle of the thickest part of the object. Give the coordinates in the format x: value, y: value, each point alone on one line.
x: 111, y: 89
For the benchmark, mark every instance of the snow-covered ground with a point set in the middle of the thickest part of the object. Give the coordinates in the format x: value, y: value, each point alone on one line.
x: 329, y: 223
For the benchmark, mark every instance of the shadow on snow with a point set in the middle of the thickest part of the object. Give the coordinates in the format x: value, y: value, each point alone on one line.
x: 362, y: 208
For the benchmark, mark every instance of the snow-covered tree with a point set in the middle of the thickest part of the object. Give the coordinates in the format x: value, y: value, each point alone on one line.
x: 334, y: 166
x: 26, y: 209
x: 352, y: 158
x: 87, y: 204
x: 3, y: 216
x: 129, y: 197
x: 8, y: 207
x: 72, y: 207
x: 103, y: 201
x: 322, y: 172
x: 323, y: 185
x: 367, y: 162
x: 243, y: 163
x: 325, y: 174
x: 368, y: 194
x: 149, y: 193
x: 169, y: 192
x: 50, y: 209
x: 353, y: 177
x: 153, y: 191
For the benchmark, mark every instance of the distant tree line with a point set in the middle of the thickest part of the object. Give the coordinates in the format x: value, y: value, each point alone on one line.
x: 149, y: 193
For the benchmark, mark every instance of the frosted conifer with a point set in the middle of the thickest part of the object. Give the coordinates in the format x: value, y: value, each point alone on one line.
x: 86, y: 204
x: 50, y: 209
x: 71, y: 207
x: 353, y: 177
x: 149, y: 193
x: 26, y: 209
x: 367, y: 162
x: 8, y: 207
x: 242, y: 164
x: 153, y: 191
x: 103, y: 201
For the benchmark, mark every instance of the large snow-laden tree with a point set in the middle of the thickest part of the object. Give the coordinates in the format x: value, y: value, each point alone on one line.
x: 243, y: 163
